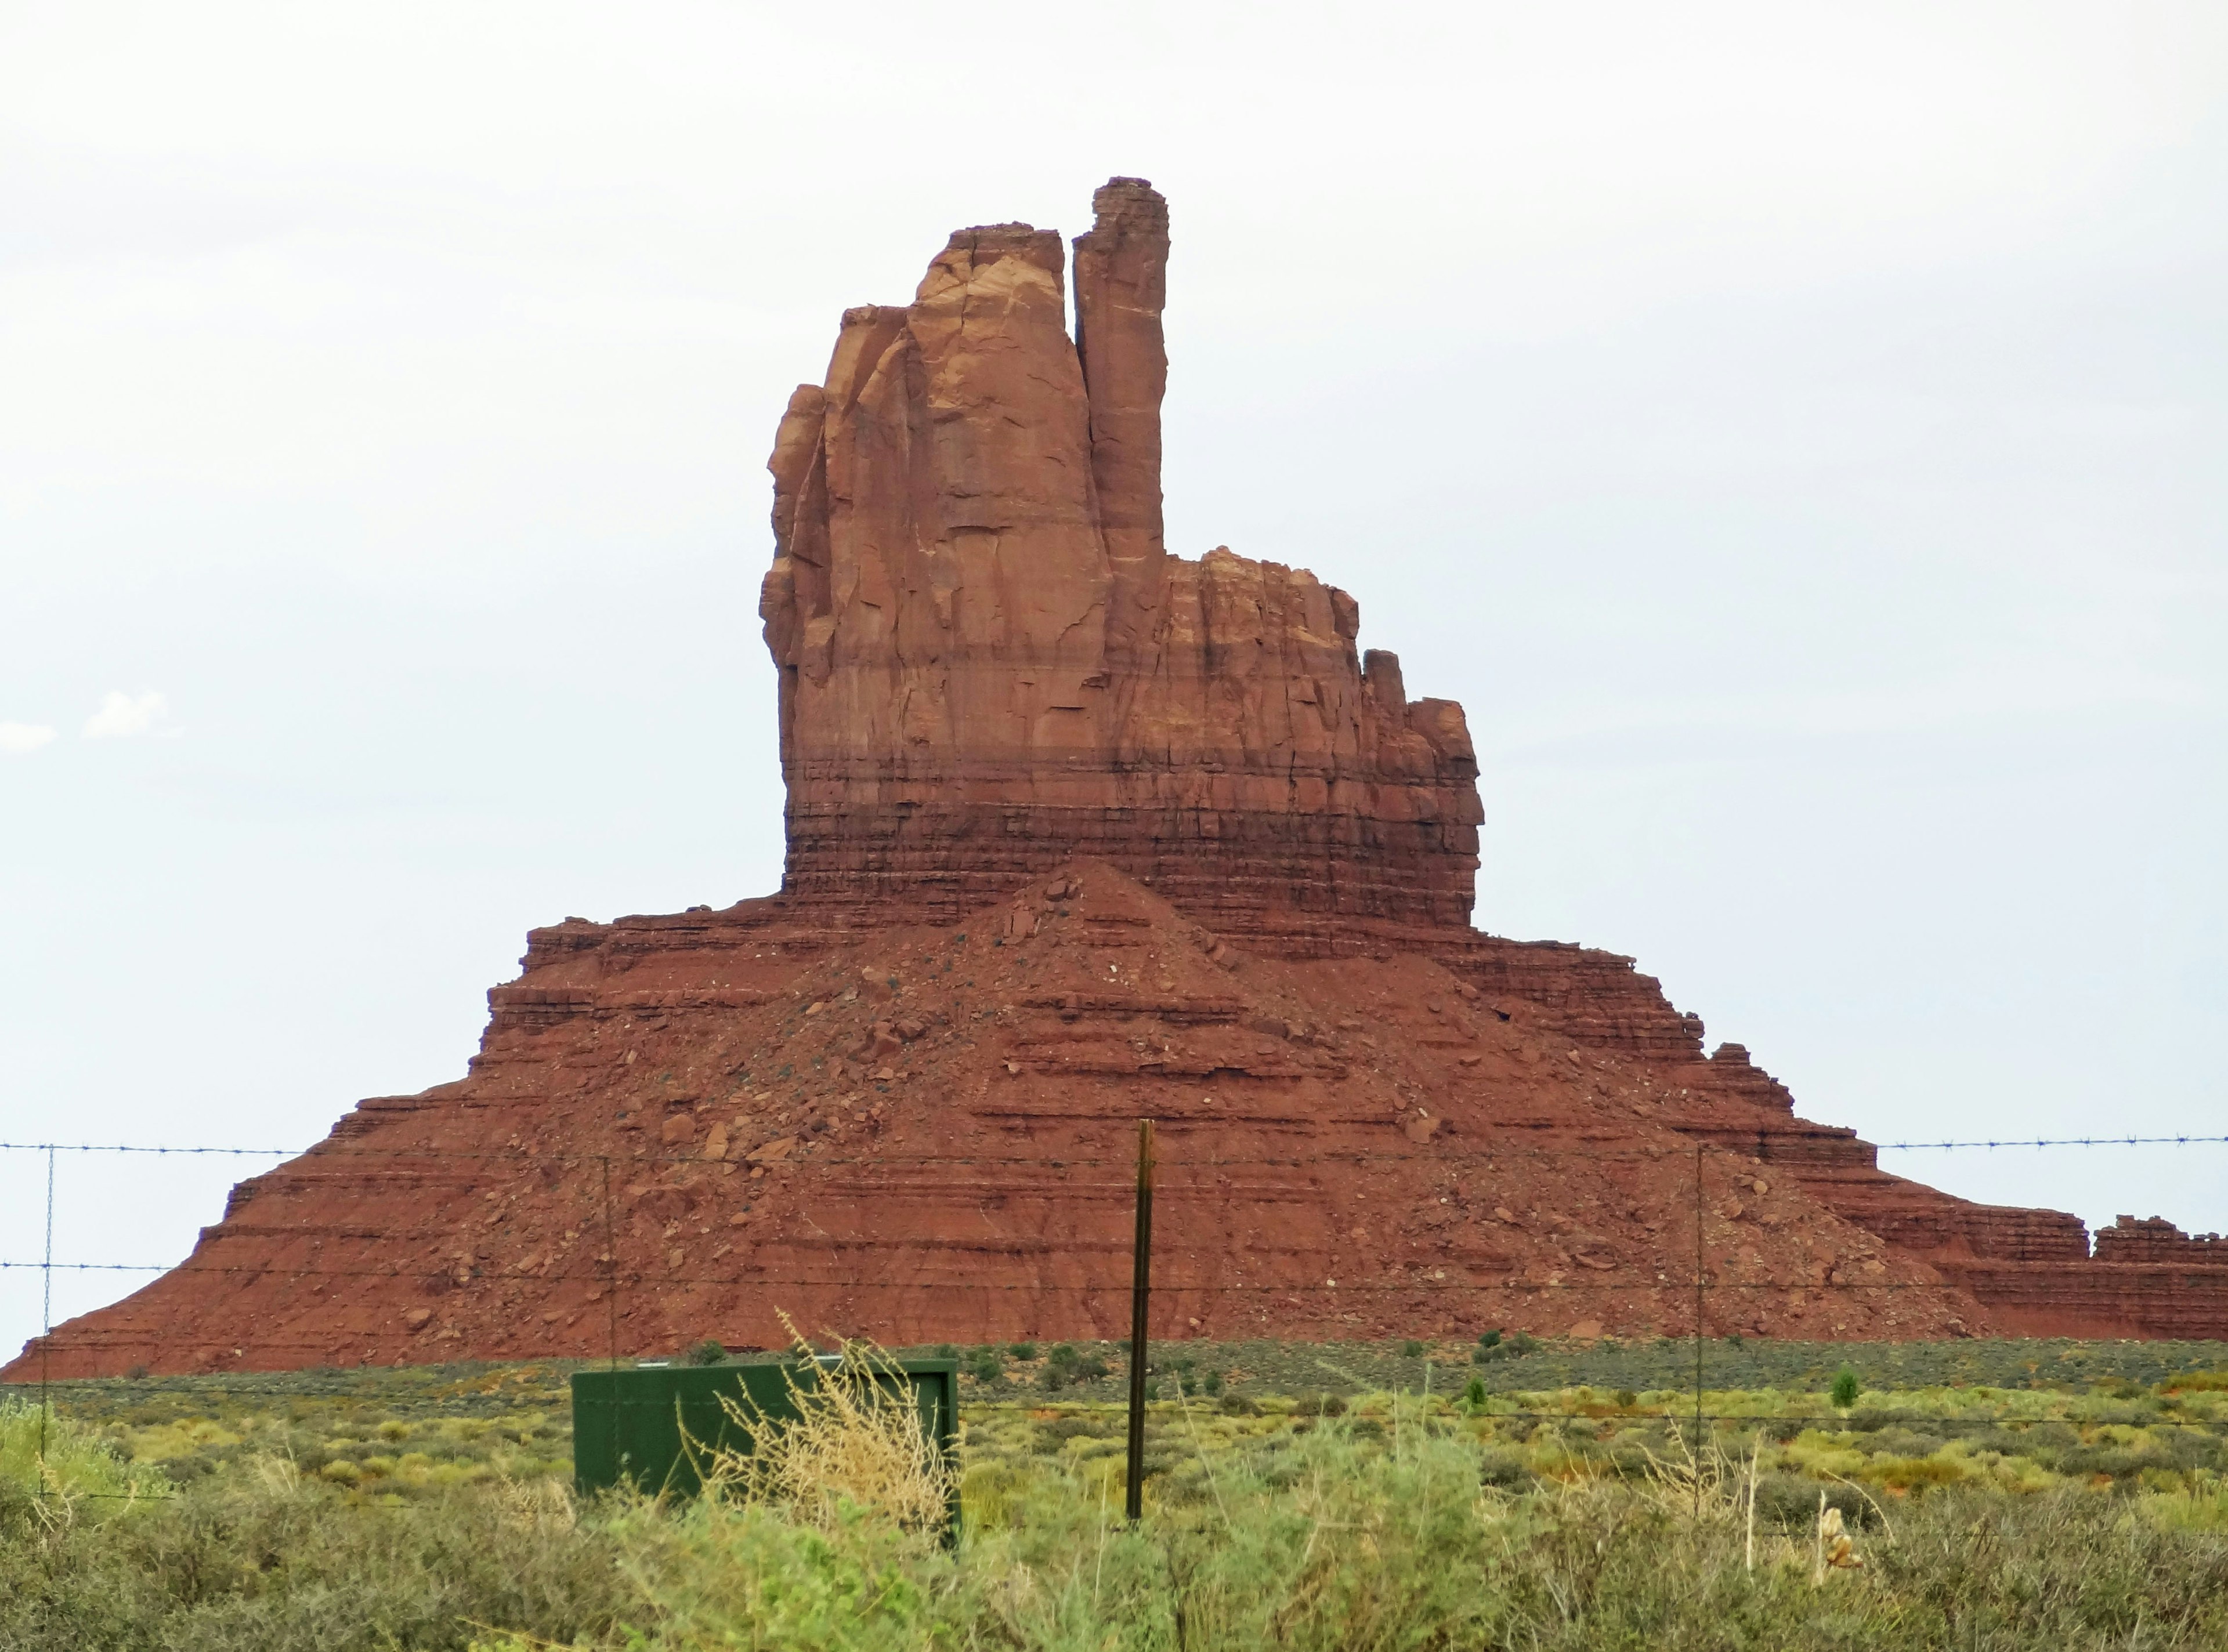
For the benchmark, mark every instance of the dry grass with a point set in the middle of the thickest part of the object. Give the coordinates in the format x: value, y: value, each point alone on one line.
x: 856, y: 1442
x: 1267, y: 1524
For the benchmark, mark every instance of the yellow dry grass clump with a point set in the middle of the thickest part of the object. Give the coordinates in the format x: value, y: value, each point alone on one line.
x: 857, y: 1442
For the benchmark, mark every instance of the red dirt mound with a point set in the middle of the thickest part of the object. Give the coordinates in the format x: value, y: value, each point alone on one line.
x: 679, y: 1126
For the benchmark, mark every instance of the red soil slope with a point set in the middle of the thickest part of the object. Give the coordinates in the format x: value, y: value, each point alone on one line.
x: 678, y: 1127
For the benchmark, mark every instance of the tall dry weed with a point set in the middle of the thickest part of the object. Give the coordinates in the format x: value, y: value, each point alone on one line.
x: 855, y: 1441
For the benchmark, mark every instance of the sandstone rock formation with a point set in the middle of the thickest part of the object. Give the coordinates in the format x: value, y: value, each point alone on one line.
x: 1079, y: 833
x: 989, y: 663
x: 1121, y: 286
x: 677, y: 1126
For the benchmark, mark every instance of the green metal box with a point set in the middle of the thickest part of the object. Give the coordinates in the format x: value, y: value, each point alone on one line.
x: 627, y: 1423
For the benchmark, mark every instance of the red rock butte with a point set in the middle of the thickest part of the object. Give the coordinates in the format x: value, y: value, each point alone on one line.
x: 1081, y: 832
x: 989, y: 663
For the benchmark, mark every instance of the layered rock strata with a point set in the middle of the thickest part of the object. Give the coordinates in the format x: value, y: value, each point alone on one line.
x: 681, y: 1126
x: 989, y: 663
x: 2156, y: 1240
x: 1081, y: 832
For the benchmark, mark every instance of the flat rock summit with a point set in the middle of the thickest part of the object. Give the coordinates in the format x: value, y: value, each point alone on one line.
x: 1082, y: 832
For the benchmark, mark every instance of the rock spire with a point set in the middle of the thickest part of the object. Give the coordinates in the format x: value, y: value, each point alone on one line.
x: 989, y: 662
x: 1121, y: 286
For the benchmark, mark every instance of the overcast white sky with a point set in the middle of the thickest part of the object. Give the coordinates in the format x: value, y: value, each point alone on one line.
x: 1795, y: 432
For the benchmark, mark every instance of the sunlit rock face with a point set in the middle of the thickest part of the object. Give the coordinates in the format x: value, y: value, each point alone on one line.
x: 989, y: 662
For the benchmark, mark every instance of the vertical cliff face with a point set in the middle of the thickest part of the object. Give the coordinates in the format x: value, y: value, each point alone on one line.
x: 934, y: 512
x: 988, y: 661
x: 1121, y: 286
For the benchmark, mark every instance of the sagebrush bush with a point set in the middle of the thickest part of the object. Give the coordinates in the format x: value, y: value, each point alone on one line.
x: 56, y: 1472
x: 267, y: 1560
x: 1316, y: 1541
x: 1383, y: 1521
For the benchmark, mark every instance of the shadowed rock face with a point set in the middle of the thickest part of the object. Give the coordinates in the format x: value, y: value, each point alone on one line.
x: 989, y: 663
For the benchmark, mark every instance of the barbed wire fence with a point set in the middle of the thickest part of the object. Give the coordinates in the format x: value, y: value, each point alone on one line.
x: 612, y: 1279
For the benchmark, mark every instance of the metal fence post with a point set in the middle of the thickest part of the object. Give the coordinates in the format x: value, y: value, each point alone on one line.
x: 1141, y: 1283
x: 47, y: 1321
x: 1699, y: 1264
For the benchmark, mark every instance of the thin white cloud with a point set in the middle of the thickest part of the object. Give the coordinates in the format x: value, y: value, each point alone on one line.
x: 17, y: 739
x: 121, y: 716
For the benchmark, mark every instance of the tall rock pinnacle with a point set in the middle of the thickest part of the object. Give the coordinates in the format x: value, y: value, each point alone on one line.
x: 1121, y: 286
x: 989, y: 663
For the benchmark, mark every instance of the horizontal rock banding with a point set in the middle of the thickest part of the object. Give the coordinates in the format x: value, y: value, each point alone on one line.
x: 988, y: 663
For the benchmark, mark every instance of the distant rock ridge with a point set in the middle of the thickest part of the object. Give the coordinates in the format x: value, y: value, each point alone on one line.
x: 989, y: 663
x: 2156, y: 1240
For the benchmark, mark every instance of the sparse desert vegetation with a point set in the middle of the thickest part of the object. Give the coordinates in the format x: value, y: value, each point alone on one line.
x: 2081, y: 1500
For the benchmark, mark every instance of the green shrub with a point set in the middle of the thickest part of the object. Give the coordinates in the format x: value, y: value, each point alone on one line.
x: 1330, y: 1539
x: 725, y: 1576
x: 1846, y: 1388
x: 1501, y: 1466
x: 1788, y: 1503
x: 1412, y: 1349
x: 268, y: 1559
x: 53, y: 1469
x: 1068, y: 1363
x: 1557, y: 1533
x: 710, y: 1351
x: 2197, y: 1382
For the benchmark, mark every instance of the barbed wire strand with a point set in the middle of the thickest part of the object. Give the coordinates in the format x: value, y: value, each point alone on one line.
x: 611, y: 1280
x: 1600, y: 1282
x: 1728, y: 1139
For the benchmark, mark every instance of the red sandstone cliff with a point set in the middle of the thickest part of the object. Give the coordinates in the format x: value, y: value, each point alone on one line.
x: 989, y: 663
x: 1080, y: 833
